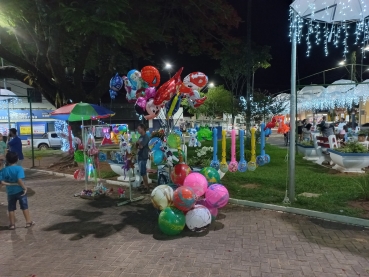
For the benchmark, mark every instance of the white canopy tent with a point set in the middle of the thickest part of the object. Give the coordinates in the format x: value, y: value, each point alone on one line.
x: 326, y: 20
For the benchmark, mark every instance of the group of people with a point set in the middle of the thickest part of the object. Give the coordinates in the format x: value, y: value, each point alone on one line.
x: 304, y: 130
x: 12, y: 176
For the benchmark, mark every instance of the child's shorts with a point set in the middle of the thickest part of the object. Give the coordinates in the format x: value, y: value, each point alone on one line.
x: 12, y: 201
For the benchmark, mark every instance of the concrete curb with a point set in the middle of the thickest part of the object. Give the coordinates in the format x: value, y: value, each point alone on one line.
x: 309, y: 213
x: 111, y: 182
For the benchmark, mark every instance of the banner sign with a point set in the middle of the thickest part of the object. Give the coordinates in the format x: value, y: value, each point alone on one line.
x: 24, y: 114
x: 38, y: 129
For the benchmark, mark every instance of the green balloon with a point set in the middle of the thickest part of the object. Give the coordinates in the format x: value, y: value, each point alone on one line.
x: 171, y: 221
x: 174, y: 141
x: 211, y: 175
x: 176, y: 154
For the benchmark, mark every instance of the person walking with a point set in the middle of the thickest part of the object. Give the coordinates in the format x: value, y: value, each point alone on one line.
x: 142, y: 156
x: 15, y: 145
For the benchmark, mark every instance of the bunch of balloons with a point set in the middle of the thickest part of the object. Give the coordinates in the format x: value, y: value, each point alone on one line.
x: 194, y: 203
x: 143, y: 89
x: 166, y: 149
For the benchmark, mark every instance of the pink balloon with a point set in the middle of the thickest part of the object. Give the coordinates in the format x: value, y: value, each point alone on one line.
x: 217, y: 196
x: 197, y: 182
x: 150, y: 92
x: 151, y: 109
x: 213, y: 211
x: 141, y: 102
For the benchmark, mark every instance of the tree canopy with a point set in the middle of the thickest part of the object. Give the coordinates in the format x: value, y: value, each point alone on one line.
x: 219, y: 101
x: 70, y: 49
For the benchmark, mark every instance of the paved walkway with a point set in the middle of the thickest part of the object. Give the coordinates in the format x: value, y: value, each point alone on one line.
x: 76, y: 237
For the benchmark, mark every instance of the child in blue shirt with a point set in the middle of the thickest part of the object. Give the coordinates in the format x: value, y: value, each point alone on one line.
x: 12, y: 176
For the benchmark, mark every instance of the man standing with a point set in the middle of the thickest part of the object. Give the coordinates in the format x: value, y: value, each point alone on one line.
x: 143, y: 155
x: 15, y: 145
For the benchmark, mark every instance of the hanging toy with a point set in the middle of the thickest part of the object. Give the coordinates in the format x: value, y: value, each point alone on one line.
x: 252, y: 164
x: 215, y: 162
x: 233, y: 165
x: 242, y: 165
x: 106, y: 140
x: 91, y: 146
x: 124, y: 146
x: 168, y: 154
x: 223, y: 164
x: 193, y: 138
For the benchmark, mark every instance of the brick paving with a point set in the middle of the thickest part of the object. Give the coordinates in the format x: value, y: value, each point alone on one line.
x: 77, y: 237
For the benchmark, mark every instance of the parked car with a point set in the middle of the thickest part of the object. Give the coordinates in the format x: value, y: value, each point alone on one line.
x: 48, y: 140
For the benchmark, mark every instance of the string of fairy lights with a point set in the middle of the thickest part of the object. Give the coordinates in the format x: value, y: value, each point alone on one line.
x: 315, y: 29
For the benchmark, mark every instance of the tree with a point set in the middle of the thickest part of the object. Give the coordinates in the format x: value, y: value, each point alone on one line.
x: 236, y: 63
x: 70, y: 49
x: 219, y: 101
x: 263, y: 105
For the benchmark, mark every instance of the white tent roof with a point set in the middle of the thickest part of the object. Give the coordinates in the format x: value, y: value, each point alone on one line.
x: 332, y: 11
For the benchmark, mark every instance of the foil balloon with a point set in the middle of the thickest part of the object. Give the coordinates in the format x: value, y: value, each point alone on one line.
x: 141, y: 102
x: 133, y: 76
x: 131, y: 93
x: 113, y: 94
x: 151, y: 76
x: 168, y: 89
x: 195, y: 80
x: 150, y: 92
x: 173, y: 105
x: 152, y: 110
x: 116, y: 83
x: 194, y: 99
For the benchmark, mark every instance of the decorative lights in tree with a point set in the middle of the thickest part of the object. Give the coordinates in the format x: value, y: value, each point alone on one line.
x: 61, y: 128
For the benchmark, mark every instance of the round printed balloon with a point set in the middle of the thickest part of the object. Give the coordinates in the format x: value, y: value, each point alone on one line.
x: 213, y: 211
x: 198, y: 219
x: 162, y: 197
x: 267, y: 158
x: 197, y: 182
x: 211, y: 175
x: 217, y: 196
x: 174, y: 141
x: 155, y: 144
x: 260, y: 160
x: 179, y: 173
x: 184, y: 198
x: 150, y: 75
x: 158, y: 156
x: 251, y: 166
x: 171, y: 221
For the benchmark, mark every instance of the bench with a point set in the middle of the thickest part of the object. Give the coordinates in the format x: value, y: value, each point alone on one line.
x: 321, y: 144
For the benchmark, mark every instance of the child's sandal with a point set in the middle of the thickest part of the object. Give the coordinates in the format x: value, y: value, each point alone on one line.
x: 11, y: 227
x: 28, y: 225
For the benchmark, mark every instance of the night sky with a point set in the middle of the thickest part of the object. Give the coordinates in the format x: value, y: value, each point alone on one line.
x: 270, y: 26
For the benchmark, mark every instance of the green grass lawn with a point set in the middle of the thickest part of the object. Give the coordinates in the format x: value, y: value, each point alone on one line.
x: 42, y: 153
x: 267, y: 184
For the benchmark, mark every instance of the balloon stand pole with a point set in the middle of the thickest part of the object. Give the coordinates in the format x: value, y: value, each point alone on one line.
x: 130, y: 200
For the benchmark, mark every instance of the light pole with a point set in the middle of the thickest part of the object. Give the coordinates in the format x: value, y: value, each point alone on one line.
x: 168, y: 67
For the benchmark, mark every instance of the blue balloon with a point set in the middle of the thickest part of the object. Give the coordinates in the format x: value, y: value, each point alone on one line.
x: 155, y: 143
x: 113, y: 94
x: 102, y: 157
x: 260, y: 160
x: 267, y: 158
x: 116, y: 83
x: 133, y: 82
x: 158, y: 157
x: 268, y: 132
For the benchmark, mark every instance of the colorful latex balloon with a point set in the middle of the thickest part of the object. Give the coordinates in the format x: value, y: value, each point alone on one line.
x: 195, y: 80
x: 151, y: 76
x: 116, y: 83
x: 168, y: 89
